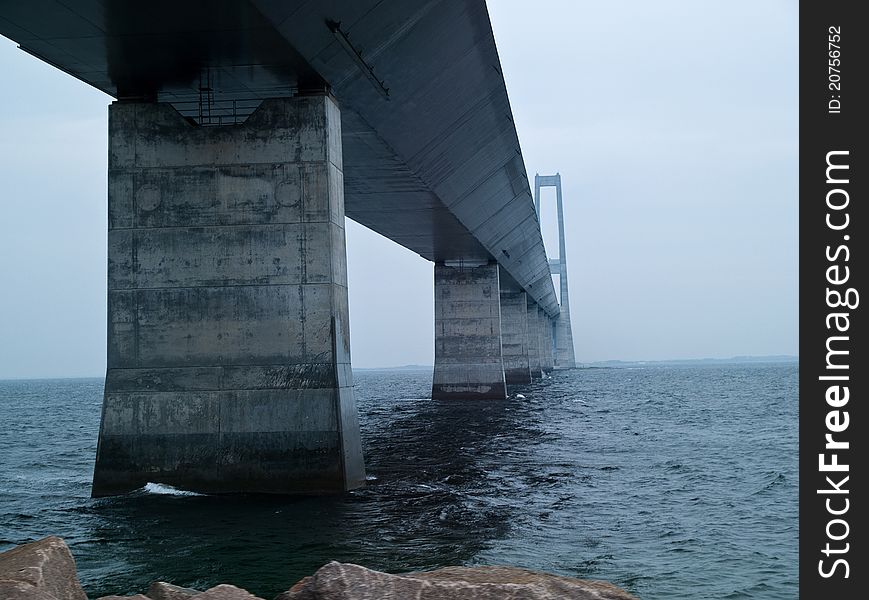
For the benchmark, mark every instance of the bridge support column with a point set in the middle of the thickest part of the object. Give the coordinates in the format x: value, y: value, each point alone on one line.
x: 550, y: 344
x: 565, y: 358
x: 514, y: 337
x: 547, y: 361
x: 468, y: 359
x: 534, y: 341
x: 228, y: 334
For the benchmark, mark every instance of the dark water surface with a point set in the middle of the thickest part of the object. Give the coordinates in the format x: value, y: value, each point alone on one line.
x: 673, y: 482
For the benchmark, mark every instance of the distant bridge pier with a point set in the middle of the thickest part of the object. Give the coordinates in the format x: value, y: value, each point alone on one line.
x: 564, y: 357
x: 468, y: 359
x: 547, y: 359
x: 534, y: 350
x: 514, y: 337
x: 228, y: 334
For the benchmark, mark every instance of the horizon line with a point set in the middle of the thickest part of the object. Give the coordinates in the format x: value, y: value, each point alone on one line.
x: 736, y: 358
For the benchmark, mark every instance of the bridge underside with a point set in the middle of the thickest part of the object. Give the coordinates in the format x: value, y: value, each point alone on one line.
x: 243, y: 132
x: 431, y: 155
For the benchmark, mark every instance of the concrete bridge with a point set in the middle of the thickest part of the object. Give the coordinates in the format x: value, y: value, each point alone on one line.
x: 242, y: 133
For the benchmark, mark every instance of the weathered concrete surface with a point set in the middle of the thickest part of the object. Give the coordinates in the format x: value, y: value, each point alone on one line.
x: 344, y: 581
x: 41, y: 570
x: 565, y: 355
x: 547, y: 361
x: 534, y: 355
x: 228, y: 335
x: 514, y: 337
x: 549, y: 344
x: 468, y: 358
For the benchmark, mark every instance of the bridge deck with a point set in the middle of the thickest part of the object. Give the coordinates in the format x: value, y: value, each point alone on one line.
x: 434, y: 163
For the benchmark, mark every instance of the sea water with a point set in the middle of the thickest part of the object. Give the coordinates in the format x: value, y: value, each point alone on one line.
x: 670, y: 481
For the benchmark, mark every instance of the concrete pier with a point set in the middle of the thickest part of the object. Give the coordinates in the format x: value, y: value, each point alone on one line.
x: 468, y: 357
x: 550, y: 344
x: 547, y: 362
x: 565, y: 357
x: 228, y: 334
x: 541, y: 339
x: 514, y: 337
x: 534, y: 356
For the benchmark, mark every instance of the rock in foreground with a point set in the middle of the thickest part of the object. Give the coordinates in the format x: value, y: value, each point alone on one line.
x: 160, y: 590
x: 341, y: 581
x: 45, y: 570
x: 42, y: 570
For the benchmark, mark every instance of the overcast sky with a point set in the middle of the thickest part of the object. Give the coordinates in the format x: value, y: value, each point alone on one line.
x: 672, y: 123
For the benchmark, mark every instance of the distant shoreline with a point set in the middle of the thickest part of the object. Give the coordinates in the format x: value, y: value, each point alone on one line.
x: 601, y: 364
x: 735, y: 360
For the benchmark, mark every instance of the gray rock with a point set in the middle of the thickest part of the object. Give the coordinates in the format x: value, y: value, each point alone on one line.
x: 135, y: 597
x: 39, y: 570
x: 340, y: 581
x: 18, y: 590
x: 160, y: 590
x: 225, y: 592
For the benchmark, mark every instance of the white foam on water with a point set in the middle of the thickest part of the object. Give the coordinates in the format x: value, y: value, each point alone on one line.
x: 167, y: 490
